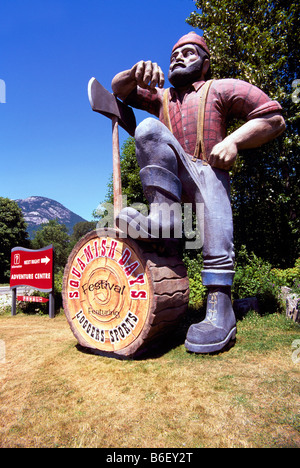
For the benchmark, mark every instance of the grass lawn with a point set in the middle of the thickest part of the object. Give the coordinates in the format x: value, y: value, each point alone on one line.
x: 54, y: 395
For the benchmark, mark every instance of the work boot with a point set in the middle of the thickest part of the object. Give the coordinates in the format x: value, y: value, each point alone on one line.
x: 218, y: 327
x: 162, y: 190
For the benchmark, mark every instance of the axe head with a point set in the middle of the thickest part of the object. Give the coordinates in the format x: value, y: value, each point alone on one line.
x: 106, y: 103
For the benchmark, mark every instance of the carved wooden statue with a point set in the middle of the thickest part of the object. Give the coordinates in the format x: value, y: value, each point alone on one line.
x: 186, y: 155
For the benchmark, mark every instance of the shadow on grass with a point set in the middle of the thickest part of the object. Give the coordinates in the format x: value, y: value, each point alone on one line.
x: 163, y: 343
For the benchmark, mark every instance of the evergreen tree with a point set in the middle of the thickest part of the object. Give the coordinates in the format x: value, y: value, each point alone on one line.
x: 13, y: 233
x: 56, y: 234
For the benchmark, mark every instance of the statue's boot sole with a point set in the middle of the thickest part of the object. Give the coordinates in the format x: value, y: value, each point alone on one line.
x: 210, y: 347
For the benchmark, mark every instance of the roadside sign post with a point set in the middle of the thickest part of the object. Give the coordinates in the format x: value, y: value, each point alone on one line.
x: 14, y: 301
x: 33, y: 268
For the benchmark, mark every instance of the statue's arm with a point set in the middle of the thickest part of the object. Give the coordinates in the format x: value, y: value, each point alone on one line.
x: 146, y: 75
x: 252, y: 134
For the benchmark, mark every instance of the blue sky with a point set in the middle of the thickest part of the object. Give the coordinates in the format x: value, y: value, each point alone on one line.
x: 51, y: 143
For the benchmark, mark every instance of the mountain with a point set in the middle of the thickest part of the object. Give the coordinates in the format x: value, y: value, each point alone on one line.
x: 39, y: 210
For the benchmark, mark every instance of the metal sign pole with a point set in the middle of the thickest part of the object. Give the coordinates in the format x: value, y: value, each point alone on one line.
x: 14, y: 301
x: 51, y: 305
x: 51, y: 294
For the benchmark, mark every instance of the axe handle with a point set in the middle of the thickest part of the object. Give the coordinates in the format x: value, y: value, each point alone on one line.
x: 117, y: 184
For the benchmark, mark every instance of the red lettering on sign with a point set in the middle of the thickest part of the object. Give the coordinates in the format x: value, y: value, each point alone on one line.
x: 88, y: 254
x: 138, y: 280
x: 74, y: 284
x: 125, y: 257
x: 96, y: 249
x: 138, y: 294
x: 32, y: 299
x: 112, y: 250
x: 103, y: 248
x: 74, y: 295
x: 75, y: 272
x: 131, y: 268
x: 81, y: 264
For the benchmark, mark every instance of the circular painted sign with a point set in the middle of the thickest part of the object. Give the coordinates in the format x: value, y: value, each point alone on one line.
x: 107, y: 291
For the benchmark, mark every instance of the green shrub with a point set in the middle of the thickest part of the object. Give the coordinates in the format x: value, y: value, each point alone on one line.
x: 254, y: 277
x: 289, y: 277
x: 198, y: 292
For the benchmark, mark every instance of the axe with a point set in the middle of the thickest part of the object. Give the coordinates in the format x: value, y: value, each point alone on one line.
x: 106, y: 103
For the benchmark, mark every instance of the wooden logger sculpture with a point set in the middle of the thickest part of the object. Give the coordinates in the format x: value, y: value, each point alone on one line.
x: 119, y: 294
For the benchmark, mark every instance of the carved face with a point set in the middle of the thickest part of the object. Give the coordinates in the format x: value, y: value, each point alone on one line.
x: 186, y: 65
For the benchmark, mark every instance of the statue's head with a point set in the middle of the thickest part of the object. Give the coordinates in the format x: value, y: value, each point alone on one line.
x: 190, y: 61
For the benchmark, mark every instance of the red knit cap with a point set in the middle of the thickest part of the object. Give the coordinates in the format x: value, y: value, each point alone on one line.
x: 192, y: 38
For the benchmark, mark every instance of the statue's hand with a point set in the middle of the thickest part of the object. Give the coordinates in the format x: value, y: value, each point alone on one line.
x: 224, y: 154
x: 147, y: 75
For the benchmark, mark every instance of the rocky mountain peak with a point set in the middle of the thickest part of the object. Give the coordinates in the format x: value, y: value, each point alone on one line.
x: 40, y: 210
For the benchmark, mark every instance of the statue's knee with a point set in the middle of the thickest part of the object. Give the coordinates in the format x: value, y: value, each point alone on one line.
x: 152, y: 145
x: 147, y: 130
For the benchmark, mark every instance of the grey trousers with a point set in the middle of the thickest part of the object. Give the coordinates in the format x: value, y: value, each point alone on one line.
x: 156, y: 145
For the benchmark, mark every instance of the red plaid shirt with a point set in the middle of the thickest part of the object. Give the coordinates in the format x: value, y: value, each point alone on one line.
x: 228, y: 98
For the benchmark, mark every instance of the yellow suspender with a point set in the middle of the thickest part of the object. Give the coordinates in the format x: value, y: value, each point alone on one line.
x: 166, y: 110
x: 200, y: 147
x: 200, y: 123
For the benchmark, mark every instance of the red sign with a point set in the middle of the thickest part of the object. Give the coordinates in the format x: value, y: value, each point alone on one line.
x: 32, y: 299
x: 32, y: 268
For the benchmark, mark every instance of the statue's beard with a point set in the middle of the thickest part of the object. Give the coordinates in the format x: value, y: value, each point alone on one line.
x: 183, y: 76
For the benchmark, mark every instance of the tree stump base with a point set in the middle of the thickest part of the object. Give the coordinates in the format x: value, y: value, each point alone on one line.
x: 120, y: 296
